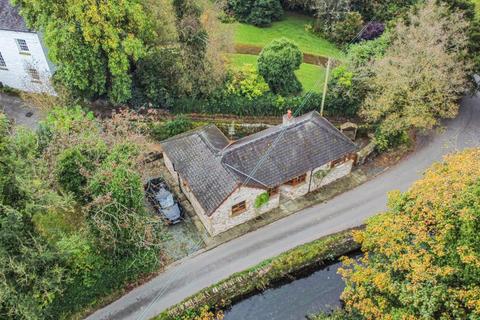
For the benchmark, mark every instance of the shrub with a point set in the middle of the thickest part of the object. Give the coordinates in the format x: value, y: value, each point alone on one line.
x: 360, y: 54
x: 162, y: 131
x: 262, y: 199
x: 157, y: 78
x: 345, y: 93
x: 372, y: 30
x: 268, y: 104
x: 346, y: 29
x: 387, y: 140
x: 277, y: 63
x: 246, y: 82
x: 257, y: 12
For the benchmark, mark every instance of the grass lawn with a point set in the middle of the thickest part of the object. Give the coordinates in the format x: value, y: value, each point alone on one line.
x: 292, y: 27
x: 477, y: 3
x: 311, y: 76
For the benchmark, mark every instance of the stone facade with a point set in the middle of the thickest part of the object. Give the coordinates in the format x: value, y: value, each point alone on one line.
x: 326, y: 174
x: 222, y: 219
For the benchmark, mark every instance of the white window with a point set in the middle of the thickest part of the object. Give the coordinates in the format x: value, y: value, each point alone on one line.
x: 34, y: 74
x: 22, y: 45
x: 3, y: 65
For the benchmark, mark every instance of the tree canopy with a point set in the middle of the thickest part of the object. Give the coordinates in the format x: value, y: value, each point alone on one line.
x: 277, y: 63
x: 73, y: 226
x: 422, y: 74
x: 422, y: 256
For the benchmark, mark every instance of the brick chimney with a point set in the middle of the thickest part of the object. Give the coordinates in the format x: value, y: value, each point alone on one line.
x: 287, y: 118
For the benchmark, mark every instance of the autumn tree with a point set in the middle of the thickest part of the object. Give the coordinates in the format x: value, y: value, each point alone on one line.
x: 422, y: 256
x: 422, y: 74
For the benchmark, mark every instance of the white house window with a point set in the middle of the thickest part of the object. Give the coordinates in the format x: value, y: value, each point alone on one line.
x: 22, y: 45
x: 3, y: 65
x: 34, y: 74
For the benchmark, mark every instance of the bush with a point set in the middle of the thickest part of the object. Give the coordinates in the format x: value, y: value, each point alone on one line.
x: 262, y: 199
x: 373, y: 30
x: 257, y: 12
x: 385, y: 141
x: 162, y: 131
x: 222, y: 102
x: 346, y: 29
x: 345, y: 94
x: 157, y: 78
x: 277, y: 63
x: 360, y: 54
x: 246, y: 82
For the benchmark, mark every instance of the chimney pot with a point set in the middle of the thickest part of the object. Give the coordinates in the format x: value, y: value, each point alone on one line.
x: 288, y: 117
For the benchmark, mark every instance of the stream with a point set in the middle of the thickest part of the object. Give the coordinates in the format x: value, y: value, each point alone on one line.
x: 319, y: 291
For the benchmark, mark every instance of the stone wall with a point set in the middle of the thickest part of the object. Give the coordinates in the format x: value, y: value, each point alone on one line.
x: 169, y: 165
x: 325, y: 175
x: 222, y: 219
x: 292, y: 192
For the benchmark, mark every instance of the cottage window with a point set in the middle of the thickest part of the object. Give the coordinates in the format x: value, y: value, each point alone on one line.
x: 34, y: 74
x: 239, y: 208
x: 272, y: 191
x: 298, y: 180
x: 336, y: 163
x: 3, y: 65
x: 22, y: 45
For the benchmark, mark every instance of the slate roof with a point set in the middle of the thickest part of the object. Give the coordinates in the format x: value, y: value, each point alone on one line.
x: 214, y: 167
x: 10, y: 19
x: 281, y: 153
x: 196, y: 156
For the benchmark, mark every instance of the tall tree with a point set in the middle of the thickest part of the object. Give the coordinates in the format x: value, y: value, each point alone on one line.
x: 422, y: 256
x: 422, y: 74
x: 93, y: 43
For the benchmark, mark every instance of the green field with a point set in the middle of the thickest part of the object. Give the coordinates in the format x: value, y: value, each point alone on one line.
x: 477, y: 3
x: 311, y: 76
x: 292, y: 27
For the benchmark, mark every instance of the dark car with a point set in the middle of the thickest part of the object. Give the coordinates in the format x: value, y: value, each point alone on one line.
x: 163, y: 201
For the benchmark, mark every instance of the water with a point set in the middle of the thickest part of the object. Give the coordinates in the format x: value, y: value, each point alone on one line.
x: 319, y: 291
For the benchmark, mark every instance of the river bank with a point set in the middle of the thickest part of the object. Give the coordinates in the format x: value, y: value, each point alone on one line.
x: 296, y: 262
x: 300, y: 297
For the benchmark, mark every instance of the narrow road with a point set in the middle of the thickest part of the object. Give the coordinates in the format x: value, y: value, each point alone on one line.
x: 17, y: 110
x: 346, y: 210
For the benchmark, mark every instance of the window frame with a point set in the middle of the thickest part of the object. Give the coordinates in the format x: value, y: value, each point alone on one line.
x: 239, y: 208
x: 22, y: 46
x: 34, y: 74
x: 273, y: 191
x: 3, y: 63
x: 297, y: 180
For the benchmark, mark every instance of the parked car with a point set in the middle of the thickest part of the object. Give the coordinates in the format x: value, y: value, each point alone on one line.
x: 163, y: 200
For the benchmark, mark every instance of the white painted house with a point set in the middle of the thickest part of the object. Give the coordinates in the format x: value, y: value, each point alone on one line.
x: 231, y: 182
x: 23, y: 58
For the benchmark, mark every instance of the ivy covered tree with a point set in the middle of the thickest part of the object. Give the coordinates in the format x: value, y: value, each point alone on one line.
x: 422, y: 256
x: 422, y: 74
x: 277, y: 64
x: 93, y: 44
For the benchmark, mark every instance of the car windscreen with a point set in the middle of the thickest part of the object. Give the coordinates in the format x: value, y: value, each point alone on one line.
x: 165, y: 199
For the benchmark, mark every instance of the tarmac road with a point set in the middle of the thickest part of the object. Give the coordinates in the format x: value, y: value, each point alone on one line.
x: 347, y: 210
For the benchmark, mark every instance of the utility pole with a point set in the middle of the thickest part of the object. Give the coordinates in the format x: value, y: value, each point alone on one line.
x: 325, y: 86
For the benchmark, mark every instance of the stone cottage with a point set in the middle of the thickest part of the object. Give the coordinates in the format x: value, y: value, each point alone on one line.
x: 231, y: 182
